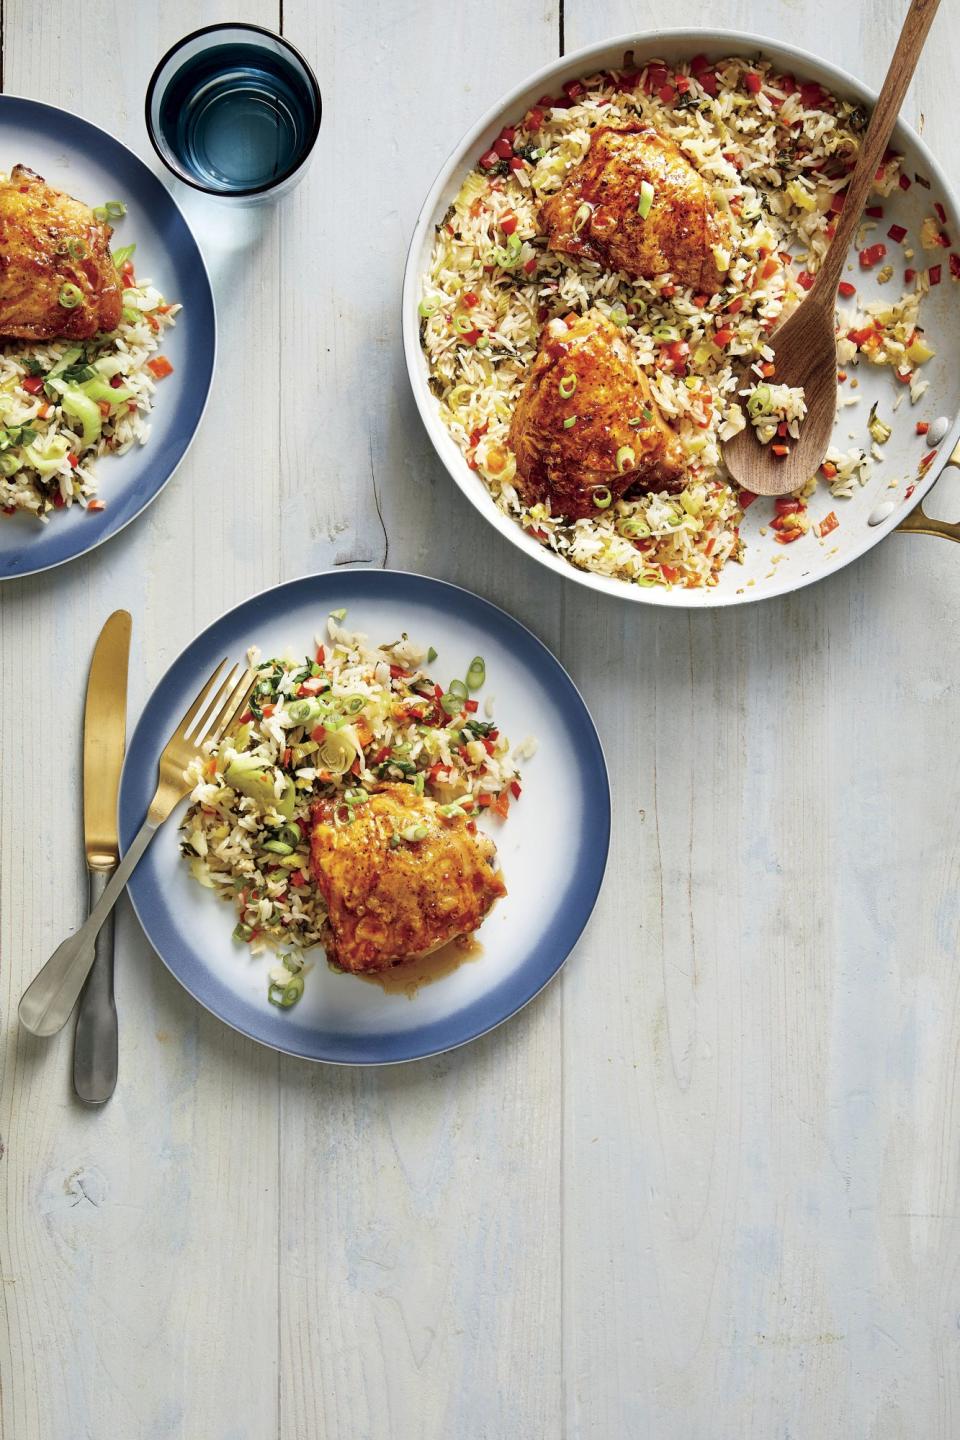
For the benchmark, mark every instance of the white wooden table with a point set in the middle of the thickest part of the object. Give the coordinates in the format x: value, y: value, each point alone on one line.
x: 706, y: 1187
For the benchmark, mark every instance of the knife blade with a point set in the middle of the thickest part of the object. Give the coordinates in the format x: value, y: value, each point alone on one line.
x: 104, y: 739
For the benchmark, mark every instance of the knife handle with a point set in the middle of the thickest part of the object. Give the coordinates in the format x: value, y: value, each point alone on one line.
x: 95, y: 1038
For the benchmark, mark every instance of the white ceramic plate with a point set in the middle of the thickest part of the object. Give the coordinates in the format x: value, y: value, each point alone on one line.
x: 811, y: 559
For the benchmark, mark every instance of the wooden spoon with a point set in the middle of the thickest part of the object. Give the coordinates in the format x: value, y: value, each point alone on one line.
x: 805, y: 346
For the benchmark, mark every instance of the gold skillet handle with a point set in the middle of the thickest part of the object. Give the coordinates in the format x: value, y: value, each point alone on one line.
x: 918, y: 522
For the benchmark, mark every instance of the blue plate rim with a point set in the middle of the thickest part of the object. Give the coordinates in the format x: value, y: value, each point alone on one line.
x: 587, y: 887
x: 29, y: 103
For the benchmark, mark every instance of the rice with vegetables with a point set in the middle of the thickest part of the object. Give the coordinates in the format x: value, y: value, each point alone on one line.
x: 333, y: 726
x: 776, y: 156
x: 65, y: 404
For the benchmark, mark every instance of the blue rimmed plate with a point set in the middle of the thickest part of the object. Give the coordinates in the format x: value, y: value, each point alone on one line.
x: 78, y: 157
x: 553, y: 847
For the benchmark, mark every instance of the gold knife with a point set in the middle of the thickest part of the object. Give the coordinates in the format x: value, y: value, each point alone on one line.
x: 104, y: 737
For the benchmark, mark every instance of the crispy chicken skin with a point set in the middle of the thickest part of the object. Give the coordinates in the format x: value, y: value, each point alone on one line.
x: 39, y: 227
x: 676, y: 236
x: 398, y: 901
x: 569, y: 465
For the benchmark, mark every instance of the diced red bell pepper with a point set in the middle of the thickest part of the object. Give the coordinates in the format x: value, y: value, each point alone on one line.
x: 871, y: 255
x: 846, y: 289
x: 922, y: 427
x: 160, y: 367
x: 896, y: 233
x: 509, y: 223
x: 656, y: 77
x: 933, y: 274
x: 806, y: 280
x: 488, y: 159
x: 667, y: 94
x: 874, y: 211
x: 752, y: 82
x: 954, y: 267
x: 722, y: 338
x: 33, y: 384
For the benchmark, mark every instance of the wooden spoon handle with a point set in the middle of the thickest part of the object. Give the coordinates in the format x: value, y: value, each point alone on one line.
x: 885, y: 112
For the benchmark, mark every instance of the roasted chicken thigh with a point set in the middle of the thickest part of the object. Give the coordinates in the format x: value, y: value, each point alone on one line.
x: 636, y: 204
x: 399, y: 878
x: 57, y: 279
x: 586, y: 428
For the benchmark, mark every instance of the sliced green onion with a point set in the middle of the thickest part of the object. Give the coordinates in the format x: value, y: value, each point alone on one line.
x: 619, y: 316
x: 121, y: 256
x: 633, y: 528
x: 302, y: 712
x: 418, y: 782
x: 506, y: 259
x: 100, y: 213
x: 570, y: 421
x: 646, y: 199
x: 635, y: 422
x: 665, y: 332
x: 602, y: 497
x: 70, y: 296
x: 352, y: 704
x: 115, y: 209
x: 286, y: 995
x: 449, y: 811
x: 626, y: 458
x: 9, y: 465
x: 243, y: 932
x: 458, y: 688
x: 77, y: 249
x: 451, y: 704
x: 414, y: 832
x: 428, y: 306
x: 130, y: 315
x: 355, y: 797
x: 431, y: 655
x: 277, y: 847
x: 568, y: 384
x: 338, y: 615
x: 582, y: 216
x: 290, y: 834
x: 477, y: 673
x: 760, y: 400
x: 462, y: 323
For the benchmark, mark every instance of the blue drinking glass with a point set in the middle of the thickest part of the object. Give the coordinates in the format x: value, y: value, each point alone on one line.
x: 234, y: 110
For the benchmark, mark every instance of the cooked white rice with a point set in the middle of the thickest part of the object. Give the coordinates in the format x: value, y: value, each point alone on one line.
x: 775, y: 160
x: 396, y: 724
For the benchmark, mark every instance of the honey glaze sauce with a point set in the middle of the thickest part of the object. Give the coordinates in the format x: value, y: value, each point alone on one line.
x: 409, y: 976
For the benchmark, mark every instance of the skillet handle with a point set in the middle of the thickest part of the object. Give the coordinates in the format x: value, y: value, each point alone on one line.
x: 919, y: 523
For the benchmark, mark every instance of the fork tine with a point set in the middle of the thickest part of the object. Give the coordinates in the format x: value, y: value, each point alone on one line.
x: 236, y: 703
x: 204, y: 728
x: 200, y: 704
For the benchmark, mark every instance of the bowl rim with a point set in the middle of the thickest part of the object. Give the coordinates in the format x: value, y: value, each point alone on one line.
x: 652, y: 43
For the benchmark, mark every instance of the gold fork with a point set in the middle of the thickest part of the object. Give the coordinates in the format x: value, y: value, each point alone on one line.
x: 46, y: 1003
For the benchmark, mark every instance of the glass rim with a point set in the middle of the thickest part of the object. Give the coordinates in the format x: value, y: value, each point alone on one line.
x: 248, y: 190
